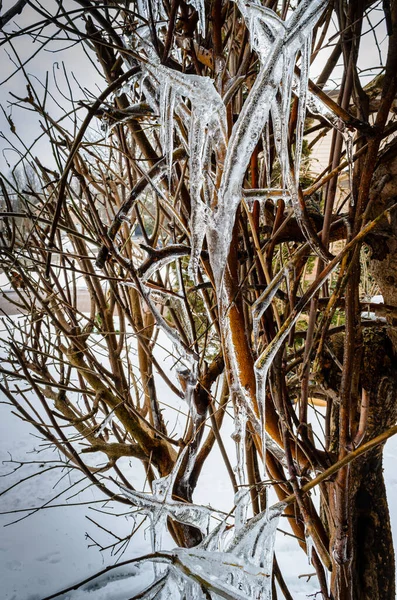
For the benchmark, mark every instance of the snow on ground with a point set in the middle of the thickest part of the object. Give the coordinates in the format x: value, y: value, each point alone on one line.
x: 49, y: 550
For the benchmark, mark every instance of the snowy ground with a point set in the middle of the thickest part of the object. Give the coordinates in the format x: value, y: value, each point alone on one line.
x: 49, y: 549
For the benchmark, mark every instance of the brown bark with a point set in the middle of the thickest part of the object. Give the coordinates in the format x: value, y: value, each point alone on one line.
x: 370, y: 574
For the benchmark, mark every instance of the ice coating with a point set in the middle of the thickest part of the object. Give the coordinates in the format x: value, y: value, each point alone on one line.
x: 167, y: 107
x: 309, y: 546
x: 105, y: 423
x: 243, y: 403
x: 266, y: 153
x: 186, y: 321
x: 207, y: 131
x: 199, y: 5
x: 239, y: 569
x: 276, y: 44
x: 348, y: 137
x: 224, y: 575
x: 292, y: 184
x: 239, y: 435
x: 255, y: 541
x: 159, y: 507
x: 214, y: 541
x: 156, y: 9
x: 264, y: 300
x: 184, y: 351
x: 241, y: 500
x: 244, y: 569
x: 305, y: 65
x: 188, y: 370
x: 173, y: 586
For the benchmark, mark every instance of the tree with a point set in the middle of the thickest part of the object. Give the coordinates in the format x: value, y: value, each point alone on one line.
x: 249, y: 269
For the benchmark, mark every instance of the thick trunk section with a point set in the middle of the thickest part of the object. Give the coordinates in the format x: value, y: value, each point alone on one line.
x: 370, y: 573
x: 373, y: 556
x: 373, y: 566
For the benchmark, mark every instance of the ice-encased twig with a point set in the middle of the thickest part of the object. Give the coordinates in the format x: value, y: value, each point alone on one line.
x: 184, y: 351
x: 167, y: 106
x: 302, y: 102
x: 160, y: 507
x: 239, y: 434
x: 107, y: 421
x: 348, y: 138
x: 264, y: 361
x: 241, y: 501
x: 263, y: 302
x: 292, y: 184
x: 240, y: 569
x: 244, y: 569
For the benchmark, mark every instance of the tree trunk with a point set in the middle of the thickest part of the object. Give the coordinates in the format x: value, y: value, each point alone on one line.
x: 373, y: 555
x: 369, y: 572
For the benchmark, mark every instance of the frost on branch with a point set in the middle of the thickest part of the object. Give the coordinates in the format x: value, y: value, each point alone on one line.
x: 240, y: 569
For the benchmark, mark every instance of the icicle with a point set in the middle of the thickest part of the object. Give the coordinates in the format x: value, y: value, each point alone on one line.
x: 105, y: 127
x: 213, y: 542
x: 167, y: 106
x: 283, y: 150
x: 241, y: 500
x: 266, y: 154
x: 211, y: 142
x: 260, y: 380
x: 240, y: 424
x: 250, y: 202
x: 189, y: 375
x: 199, y: 211
x: 309, y: 546
x: 207, y: 124
x: 349, y: 155
x: 306, y: 52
